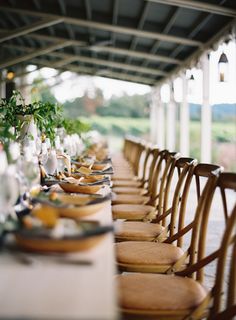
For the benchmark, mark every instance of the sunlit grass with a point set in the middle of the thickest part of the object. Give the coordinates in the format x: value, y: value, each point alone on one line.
x: 223, y: 136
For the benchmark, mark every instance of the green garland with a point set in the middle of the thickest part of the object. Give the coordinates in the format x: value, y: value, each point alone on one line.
x: 46, y: 115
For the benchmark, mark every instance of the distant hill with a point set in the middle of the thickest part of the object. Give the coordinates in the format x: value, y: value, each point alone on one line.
x: 220, y: 112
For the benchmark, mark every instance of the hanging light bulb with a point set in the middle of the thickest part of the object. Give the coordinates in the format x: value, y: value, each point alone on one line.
x: 191, y: 78
x: 10, y: 75
x: 191, y: 85
x: 223, y: 66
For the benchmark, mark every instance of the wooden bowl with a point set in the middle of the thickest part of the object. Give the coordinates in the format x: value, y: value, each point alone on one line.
x: 57, y: 245
x: 76, y: 209
x: 72, y: 187
x: 100, y: 166
x: 40, y: 239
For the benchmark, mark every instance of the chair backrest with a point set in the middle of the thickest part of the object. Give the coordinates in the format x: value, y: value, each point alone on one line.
x: 147, y: 158
x: 224, y: 306
x: 154, y: 154
x: 139, y: 150
x: 204, y: 175
x: 223, y: 293
x: 130, y: 148
x: 163, y: 163
x: 170, y: 202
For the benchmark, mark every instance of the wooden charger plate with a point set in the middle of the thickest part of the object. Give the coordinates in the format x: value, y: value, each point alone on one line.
x: 73, y: 205
x: 73, y: 187
x: 76, y: 209
x: 32, y: 241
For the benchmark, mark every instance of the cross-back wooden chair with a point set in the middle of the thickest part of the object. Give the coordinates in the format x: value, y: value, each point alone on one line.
x: 137, y: 198
x: 138, y: 207
x: 183, y: 295
x: 130, y: 170
x: 169, y: 205
x: 122, y: 158
x: 165, y: 257
x: 136, y: 186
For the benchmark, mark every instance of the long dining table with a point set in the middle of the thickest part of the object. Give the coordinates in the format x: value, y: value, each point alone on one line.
x: 76, y: 286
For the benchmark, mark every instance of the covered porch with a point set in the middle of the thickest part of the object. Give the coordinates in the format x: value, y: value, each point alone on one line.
x: 165, y: 45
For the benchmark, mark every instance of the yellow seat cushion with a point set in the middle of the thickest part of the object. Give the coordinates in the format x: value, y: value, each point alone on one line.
x: 159, y: 294
x: 131, y: 211
x: 136, y: 230
x: 126, y: 183
x: 129, y: 190
x: 129, y: 199
x: 123, y: 176
x: 147, y: 253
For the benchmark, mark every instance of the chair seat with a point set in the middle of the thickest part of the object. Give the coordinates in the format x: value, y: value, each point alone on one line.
x: 154, y: 294
x: 129, y: 190
x: 144, y: 256
x: 138, y: 231
x: 131, y: 211
x: 123, y: 176
x: 129, y: 199
x: 126, y: 183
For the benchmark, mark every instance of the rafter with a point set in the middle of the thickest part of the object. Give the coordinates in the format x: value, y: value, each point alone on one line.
x: 107, y: 27
x: 44, y: 37
x: 88, y: 9
x: 137, y: 54
x: 92, y: 71
x: 197, y: 54
x: 112, y: 64
x: 140, y: 24
x: 170, y: 21
x: 96, y: 61
x: 113, y: 50
x: 33, y: 54
x: 199, y: 24
x: 200, y: 6
x: 29, y: 28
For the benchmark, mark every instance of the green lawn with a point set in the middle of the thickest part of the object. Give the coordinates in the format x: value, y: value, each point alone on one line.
x: 223, y: 135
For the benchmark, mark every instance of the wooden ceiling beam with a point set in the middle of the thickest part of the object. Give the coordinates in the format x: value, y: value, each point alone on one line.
x: 34, y: 53
x: 108, y: 49
x: 92, y: 71
x: 44, y: 23
x: 95, y: 61
x: 107, y: 27
x: 200, y: 6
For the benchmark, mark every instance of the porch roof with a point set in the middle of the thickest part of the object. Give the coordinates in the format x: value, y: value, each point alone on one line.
x: 144, y: 41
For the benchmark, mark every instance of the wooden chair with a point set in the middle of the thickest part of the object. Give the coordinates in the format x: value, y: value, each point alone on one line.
x: 170, y: 205
x: 123, y: 198
x: 144, y: 173
x: 130, y: 170
x: 184, y: 296
x: 132, y: 176
x: 121, y: 158
x: 163, y: 257
x: 144, y: 207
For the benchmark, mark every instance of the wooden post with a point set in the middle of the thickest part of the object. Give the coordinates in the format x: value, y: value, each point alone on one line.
x: 2, y: 86
x: 184, y: 119
x: 171, y: 121
x: 205, y: 113
x: 160, y: 121
x: 153, y: 117
x: 157, y: 118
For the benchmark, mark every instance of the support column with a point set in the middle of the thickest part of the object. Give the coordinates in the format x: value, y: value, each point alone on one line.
x: 157, y: 118
x: 160, y: 121
x: 153, y: 117
x: 171, y: 121
x: 184, y: 119
x: 2, y: 86
x: 205, y: 113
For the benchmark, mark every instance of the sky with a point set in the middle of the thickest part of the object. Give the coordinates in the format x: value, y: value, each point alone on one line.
x: 73, y: 86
